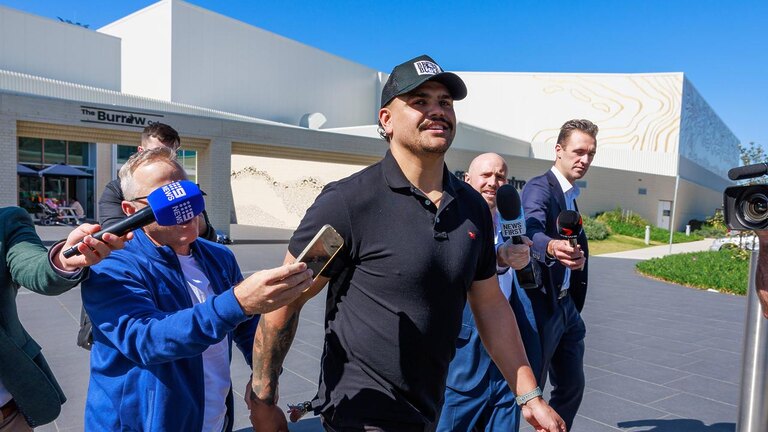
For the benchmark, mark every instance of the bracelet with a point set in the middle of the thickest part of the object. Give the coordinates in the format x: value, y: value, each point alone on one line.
x: 533, y: 394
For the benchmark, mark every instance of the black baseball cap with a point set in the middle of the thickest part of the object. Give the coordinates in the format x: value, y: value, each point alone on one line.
x: 415, y: 72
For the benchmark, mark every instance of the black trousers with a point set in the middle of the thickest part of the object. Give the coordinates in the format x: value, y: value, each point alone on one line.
x: 360, y: 425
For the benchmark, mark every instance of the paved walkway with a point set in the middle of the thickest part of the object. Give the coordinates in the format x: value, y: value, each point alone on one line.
x: 660, y: 251
x: 660, y: 357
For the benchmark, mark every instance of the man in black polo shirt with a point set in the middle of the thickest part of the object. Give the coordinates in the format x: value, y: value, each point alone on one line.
x: 418, y: 243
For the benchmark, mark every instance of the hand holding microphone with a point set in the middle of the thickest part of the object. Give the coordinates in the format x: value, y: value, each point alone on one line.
x: 92, y: 251
x: 568, y: 251
x: 512, y: 230
x: 172, y: 204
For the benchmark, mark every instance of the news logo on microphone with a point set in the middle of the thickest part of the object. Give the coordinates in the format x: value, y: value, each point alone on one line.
x: 176, y: 203
x: 512, y: 221
x: 569, y: 226
x: 513, y: 228
x: 174, y: 190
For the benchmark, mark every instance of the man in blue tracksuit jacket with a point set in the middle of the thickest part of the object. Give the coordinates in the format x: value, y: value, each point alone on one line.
x: 165, y: 312
x: 477, y: 396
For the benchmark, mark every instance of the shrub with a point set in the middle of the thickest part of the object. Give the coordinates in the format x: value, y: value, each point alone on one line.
x: 594, y: 229
x: 626, y: 229
x: 717, y: 221
x: 724, y: 270
x: 711, y: 231
x: 714, y: 226
x: 662, y: 235
x: 627, y: 223
x: 624, y: 216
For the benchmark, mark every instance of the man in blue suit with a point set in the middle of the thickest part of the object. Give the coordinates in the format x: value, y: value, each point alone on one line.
x: 557, y: 306
x: 476, y: 393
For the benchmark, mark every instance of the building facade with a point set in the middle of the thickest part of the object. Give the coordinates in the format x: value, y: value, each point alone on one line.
x: 245, y: 101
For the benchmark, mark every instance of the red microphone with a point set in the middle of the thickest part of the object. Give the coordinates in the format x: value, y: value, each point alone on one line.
x: 569, y: 226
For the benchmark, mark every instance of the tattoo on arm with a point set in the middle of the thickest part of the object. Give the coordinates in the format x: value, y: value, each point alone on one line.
x: 270, y: 346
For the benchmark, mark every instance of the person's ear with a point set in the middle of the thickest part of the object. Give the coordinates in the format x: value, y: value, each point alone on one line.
x: 559, y: 151
x: 385, y: 118
x: 128, y: 208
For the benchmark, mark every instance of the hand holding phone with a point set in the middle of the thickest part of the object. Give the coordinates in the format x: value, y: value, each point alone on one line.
x: 321, y: 250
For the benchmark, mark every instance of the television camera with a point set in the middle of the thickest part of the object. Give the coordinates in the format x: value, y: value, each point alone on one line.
x: 746, y: 207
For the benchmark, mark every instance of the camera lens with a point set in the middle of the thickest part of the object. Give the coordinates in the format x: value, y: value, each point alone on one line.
x: 755, y: 208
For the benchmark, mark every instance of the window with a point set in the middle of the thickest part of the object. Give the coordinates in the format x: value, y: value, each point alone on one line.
x: 642, y: 191
x: 31, y: 151
x: 30, y: 193
x: 40, y: 153
x: 78, y: 153
x: 54, y: 152
x: 123, y: 153
x: 188, y: 160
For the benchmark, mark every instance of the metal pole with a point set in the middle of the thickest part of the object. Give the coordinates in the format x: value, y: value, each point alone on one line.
x: 647, y: 234
x: 674, y: 209
x: 753, y: 406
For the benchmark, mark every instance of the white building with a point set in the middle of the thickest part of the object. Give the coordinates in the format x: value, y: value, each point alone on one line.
x: 275, y: 111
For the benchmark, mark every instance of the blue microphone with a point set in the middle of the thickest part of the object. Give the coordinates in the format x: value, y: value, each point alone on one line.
x: 172, y: 204
x: 512, y: 221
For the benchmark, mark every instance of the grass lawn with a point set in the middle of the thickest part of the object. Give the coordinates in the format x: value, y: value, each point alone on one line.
x: 725, y: 270
x: 617, y: 243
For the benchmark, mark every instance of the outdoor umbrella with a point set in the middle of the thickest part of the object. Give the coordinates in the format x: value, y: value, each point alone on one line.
x: 63, y: 170
x: 25, y: 170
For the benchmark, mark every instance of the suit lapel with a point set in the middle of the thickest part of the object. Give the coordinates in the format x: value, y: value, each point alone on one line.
x: 558, y: 193
x: 553, y: 212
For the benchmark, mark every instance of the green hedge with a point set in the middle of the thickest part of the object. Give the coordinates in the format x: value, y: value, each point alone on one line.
x: 634, y: 226
x: 724, y: 270
x: 627, y: 229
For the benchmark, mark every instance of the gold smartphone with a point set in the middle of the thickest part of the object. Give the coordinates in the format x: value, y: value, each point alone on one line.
x: 321, y: 250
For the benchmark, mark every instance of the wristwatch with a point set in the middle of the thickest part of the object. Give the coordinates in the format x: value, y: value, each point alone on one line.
x: 524, y: 399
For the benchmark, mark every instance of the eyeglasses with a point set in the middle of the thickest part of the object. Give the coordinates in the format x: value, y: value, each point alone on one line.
x: 146, y: 196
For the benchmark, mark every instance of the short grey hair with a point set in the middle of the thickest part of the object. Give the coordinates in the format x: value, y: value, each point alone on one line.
x: 159, y: 154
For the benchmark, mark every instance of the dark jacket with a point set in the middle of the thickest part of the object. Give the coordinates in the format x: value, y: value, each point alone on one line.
x: 23, y: 370
x: 110, y: 204
x: 543, y: 201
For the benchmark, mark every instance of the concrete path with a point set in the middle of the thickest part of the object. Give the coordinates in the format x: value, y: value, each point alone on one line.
x: 660, y: 357
x: 660, y: 251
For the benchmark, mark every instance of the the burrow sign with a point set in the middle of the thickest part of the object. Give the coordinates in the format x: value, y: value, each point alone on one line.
x: 136, y: 119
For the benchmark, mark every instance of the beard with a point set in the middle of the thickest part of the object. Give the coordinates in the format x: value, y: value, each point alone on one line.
x: 432, y: 145
x: 425, y: 147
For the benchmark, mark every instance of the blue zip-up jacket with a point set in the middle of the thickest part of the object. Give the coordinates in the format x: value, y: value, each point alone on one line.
x: 148, y: 338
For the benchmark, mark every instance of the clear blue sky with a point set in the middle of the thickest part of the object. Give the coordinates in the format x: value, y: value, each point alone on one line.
x: 721, y: 46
